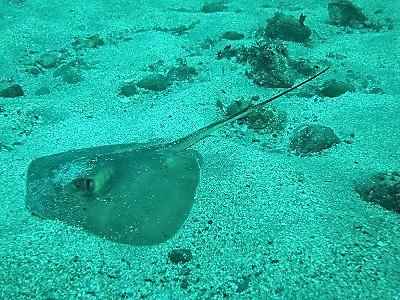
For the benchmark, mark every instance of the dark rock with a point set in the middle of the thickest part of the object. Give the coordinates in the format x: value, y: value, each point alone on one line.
x: 312, y: 139
x: 182, y: 72
x: 72, y: 77
x: 236, y: 107
x: 5, y: 147
x: 269, y: 64
x: 184, y: 271
x: 305, y: 67
x: 42, y: 91
x: 228, y: 52
x: 61, y: 71
x: 48, y: 60
x: 180, y: 256
x: 383, y: 189
x: 213, y: 7
x: 287, y: 28
x: 275, y: 261
x: 34, y: 71
x: 376, y: 90
x: 267, y: 119
x: 334, y: 88
x: 155, y: 82
x: 208, y: 43
x: 12, y: 91
x: 128, y: 90
x: 345, y: 13
x: 68, y: 74
x: 243, y: 285
x: 184, y: 284
x: 233, y: 35
x: 93, y: 41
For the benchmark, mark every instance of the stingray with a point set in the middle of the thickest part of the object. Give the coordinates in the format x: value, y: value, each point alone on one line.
x: 137, y: 194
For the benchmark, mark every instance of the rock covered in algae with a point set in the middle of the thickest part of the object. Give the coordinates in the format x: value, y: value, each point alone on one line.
x: 382, y: 188
x: 311, y: 139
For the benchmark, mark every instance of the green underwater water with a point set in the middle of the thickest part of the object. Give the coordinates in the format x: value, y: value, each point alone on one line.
x: 296, y: 198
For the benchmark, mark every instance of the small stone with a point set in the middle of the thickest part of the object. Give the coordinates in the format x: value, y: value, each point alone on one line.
x: 155, y: 82
x: 376, y: 90
x: 180, y: 256
x: 335, y: 88
x: 213, y: 7
x: 5, y: 147
x: 93, y: 41
x: 182, y: 72
x: 233, y: 35
x: 304, y: 67
x: 275, y: 261
x: 34, y: 71
x: 267, y: 119
x: 48, y: 60
x: 128, y: 90
x: 61, y: 71
x: 12, y: 91
x: 382, y: 188
x: 184, y: 284
x: 269, y: 64
x: 344, y: 13
x: 287, y: 28
x: 244, y: 285
x: 312, y: 139
x: 228, y: 52
x: 236, y: 107
x: 184, y: 271
x: 42, y: 91
x: 72, y: 77
x: 68, y: 74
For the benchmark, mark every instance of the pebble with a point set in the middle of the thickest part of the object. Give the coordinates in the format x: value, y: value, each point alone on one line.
x: 345, y: 13
x: 68, y: 74
x: 155, y: 82
x: 180, y: 256
x: 48, y: 60
x: 128, y: 90
x: 382, y: 188
x: 287, y: 28
x: 184, y: 284
x: 233, y: 35
x: 311, y: 139
x: 12, y: 91
x: 42, y: 91
x: 212, y: 7
x: 184, y: 271
x: 335, y: 88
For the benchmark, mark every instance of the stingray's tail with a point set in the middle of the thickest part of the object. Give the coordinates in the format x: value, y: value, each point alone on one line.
x: 187, y: 141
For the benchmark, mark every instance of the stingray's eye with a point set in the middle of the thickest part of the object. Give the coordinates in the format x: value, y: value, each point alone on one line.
x: 78, y: 183
x: 89, y: 186
x: 84, y: 185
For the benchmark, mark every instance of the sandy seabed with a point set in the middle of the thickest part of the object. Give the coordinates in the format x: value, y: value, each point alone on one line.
x: 272, y: 236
